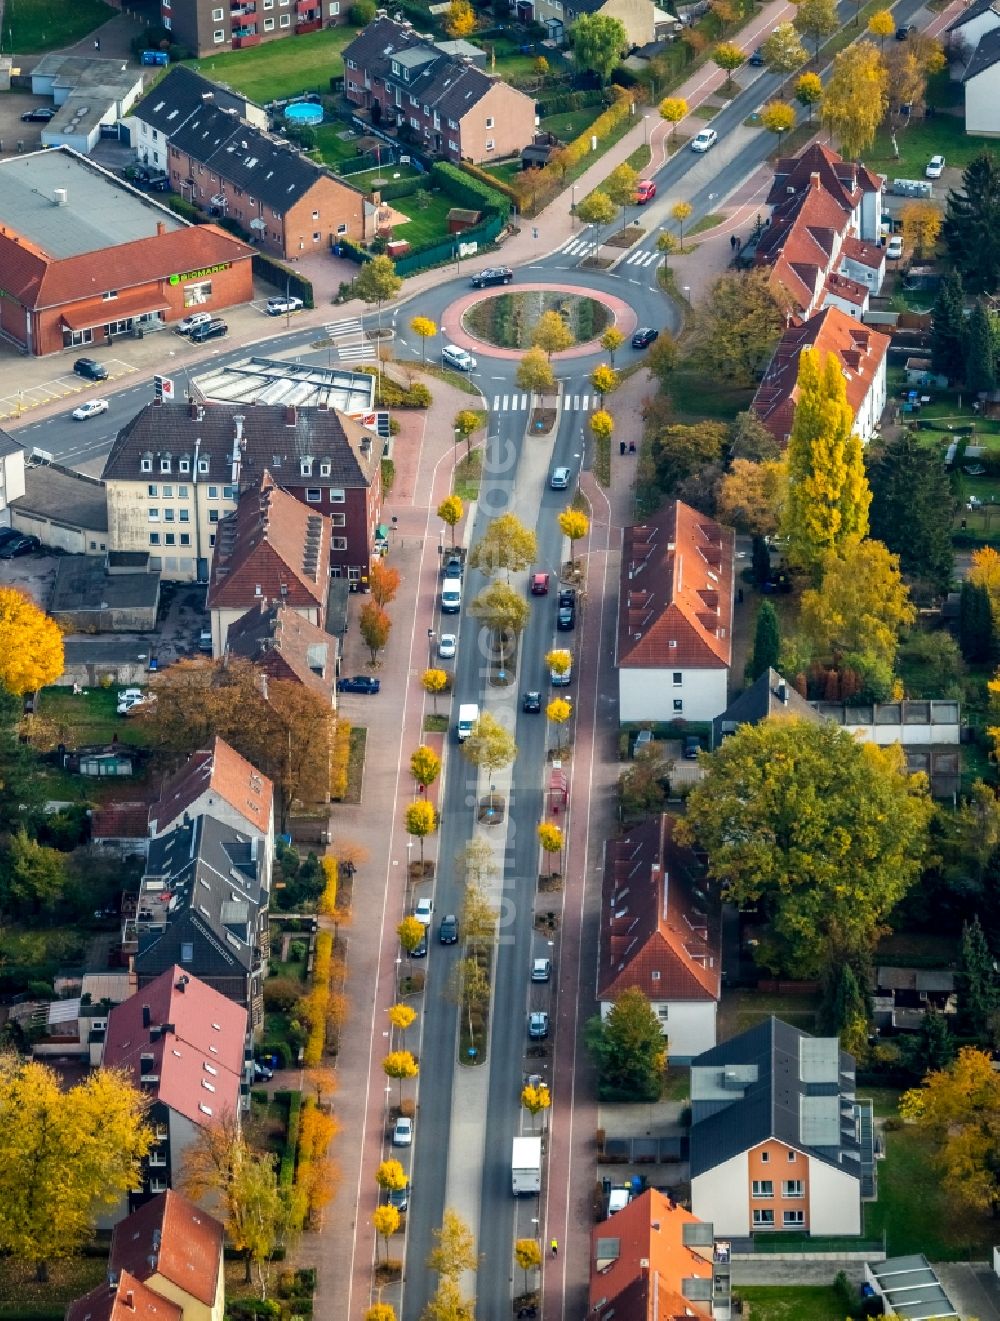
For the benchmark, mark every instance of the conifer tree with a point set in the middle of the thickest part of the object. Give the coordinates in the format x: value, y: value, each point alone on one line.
x: 948, y: 333
x: 913, y: 507
x: 976, y: 634
x: 766, y: 642
x: 978, y: 1000
x: 980, y: 359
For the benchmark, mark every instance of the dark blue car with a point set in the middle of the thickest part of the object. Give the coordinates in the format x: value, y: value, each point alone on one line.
x: 358, y: 683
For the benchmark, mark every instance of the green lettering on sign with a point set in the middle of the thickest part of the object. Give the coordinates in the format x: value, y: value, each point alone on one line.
x: 200, y: 275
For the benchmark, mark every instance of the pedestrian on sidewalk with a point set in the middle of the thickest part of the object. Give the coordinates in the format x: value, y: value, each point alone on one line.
x: 97, y: 43
x: 555, y: 1247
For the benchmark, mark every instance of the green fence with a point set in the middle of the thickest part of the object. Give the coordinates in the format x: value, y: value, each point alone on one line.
x: 434, y: 254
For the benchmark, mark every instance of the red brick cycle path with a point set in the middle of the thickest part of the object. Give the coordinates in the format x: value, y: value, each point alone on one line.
x: 452, y: 320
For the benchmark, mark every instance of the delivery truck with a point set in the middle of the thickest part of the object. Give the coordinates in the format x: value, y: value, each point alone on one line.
x: 468, y: 714
x: 526, y: 1166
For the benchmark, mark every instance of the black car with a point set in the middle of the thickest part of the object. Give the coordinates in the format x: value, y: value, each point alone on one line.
x: 448, y: 931
x: 8, y: 534
x: 419, y: 951
x: 566, y: 618
x: 262, y: 1072
x: 757, y: 58
x: 399, y: 1197
x: 453, y: 566
x: 492, y: 275
x: 903, y: 32
x: 359, y: 683
x: 644, y: 336
x: 531, y: 703
x: 208, y: 330
x: 40, y: 115
x: 17, y: 546
x: 93, y: 371
x: 692, y: 746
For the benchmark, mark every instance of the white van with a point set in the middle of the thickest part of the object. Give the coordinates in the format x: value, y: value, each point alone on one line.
x: 452, y: 356
x: 451, y: 596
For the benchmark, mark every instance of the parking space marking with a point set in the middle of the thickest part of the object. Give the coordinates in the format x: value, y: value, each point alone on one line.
x: 34, y: 396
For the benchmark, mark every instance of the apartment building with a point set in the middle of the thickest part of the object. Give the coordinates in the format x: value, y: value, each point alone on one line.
x: 207, y: 26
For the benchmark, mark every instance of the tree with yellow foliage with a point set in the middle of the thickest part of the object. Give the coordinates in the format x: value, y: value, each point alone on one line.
x: 855, y: 98
x: 461, y: 19
x: 381, y: 1312
x: 385, y: 1222
x: 426, y: 329
x: 390, y: 1176
x: 882, y: 25
x: 434, y: 681
x: 552, y: 334
x: 401, y: 1017
x: 65, y: 1156
x: 777, y: 117
x: 673, y: 109
x: 401, y: 1065
x: 559, y: 660
x: 534, y: 373
x: 751, y: 496
x: 574, y: 525
x: 558, y: 712
x: 679, y: 212
x: 331, y: 875
x: 861, y: 606
x: 535, y: 1099
x: 809, y: 91
x: 602, y: 424
x: 611, y: 342
x: 604, y: 379
x: 421, y: 821
x: 31, y: 645
x: 551, y: 839
x: 450, y: 512
x: 425, y: 766
x: 921, y: 223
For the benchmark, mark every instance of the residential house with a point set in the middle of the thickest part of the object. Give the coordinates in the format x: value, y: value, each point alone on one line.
x: 11, y: 476
x: 271, y: 548
x: 216, y: 780
x: 653, y: 1260
x: 862, y: 353
x: 176, y: 470
x: 778, y: 1140
x: 282, y: 643
x: 87, y: 258
x: 207, y: 28
x: 675, y: 617
x: 176, y: 1249
x: 660, y: 933
x: 641, y: 19
x: 974, y: 22
x: 123, y: 1298
x: 288, y: 203
x: 444, y: 104
x: 981, y: 82
x: 184, y: 1046
x: 769, y: 695
x: 121, y: 828
x: 902, y: 997
x: 202, y: 906
x: 929, y: 732
x: 176, y: 97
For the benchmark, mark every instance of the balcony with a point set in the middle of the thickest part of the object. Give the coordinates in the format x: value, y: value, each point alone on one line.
x: 241, y: 9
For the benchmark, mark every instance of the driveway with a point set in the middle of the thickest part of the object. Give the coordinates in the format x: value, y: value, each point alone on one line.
x: 972, y: 1287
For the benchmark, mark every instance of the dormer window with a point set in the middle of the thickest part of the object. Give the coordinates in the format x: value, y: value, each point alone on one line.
x: 324, y: 468
x: 305, y: 467
x: 146, y: 464
x: 203, y: 465
x: 184, y: 465
x: 165, y: 465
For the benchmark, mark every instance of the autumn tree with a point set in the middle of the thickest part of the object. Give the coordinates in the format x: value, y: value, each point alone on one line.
x: 679, y: 212
x: 602, y: 424
x: 410, y: 932
x: 603, y: 380
x: 489, y: 747
x: 629, y: 1049
x: 476, y: 862
x: 816, y: 20
x: 550, y: 837
x: 598, y: 42
x: 921, y: 222
x: 448, y: 1303
x: 425, y: 766
x: 552, y: 334
x: 559, y: 660
x: 783, y: 50
x: 611, y: 341
x: 678, y: 450
x: 534, y: 373
x: 751, y: 496
x: 380, y: 1312
x: 401, y: 1065
x: 67, y: 1155
x: 390, y: 1176
x: 385, y: 1218
x: 737, y: 326
x: 535, y: 1098
x: 454, y: 1250
x: 451, y: 511
x: 434, y: 681
x: 375, y: 626
x: 506, y: 546
x: 467, y: 422
x: 824, y: 835
x: 596, y: 209
x: 828, y: 495
x: 620, y: 186
x: 383, y: 583
x: 881, y: 25
x: 502, y: 609
x: 401, y: 1017
x: 377, y: 282
x: 777, y: 117
x: 528, y: 1255
x: 460, y: 21
x: 855, y: 97
x: 809, y: 91
x: 574, y: 525
x: 673, y: 109
x: 729, y: 57
x: 861, y: 605
x: 31, y: 645
x: 479, y: 916
x: 426, y: 329
x: 421, y: 821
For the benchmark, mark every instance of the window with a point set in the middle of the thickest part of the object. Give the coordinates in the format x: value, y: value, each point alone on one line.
x: 763, y: 1219
x: 187, y: 951
x: 112, y: 294
x: 286, y: 19
x: 154, y: 515
x: 216, y: 15
x: 678, y: 704
x: 313, y: 495
x: 793, y: 1188
x: 336, y: 496
x: 315, y: 215
x: 211, y: 538
x: 229, y: 493
x: 218, y: 36
x: 791, y: 1156
x: 678, y: 677
x: 203, y: 465
x: 414, y: 123
x: 336, y: 571
x: 169, y: 539
x: 197, y: 294
x: 154, y: 538
x: 213, y: 516
x: 146, y: 465
x: 152, y: 489
x: 305, y: 467
x: 793, y: 1219
x: 185, y: 515
x: 341, y: 229
x: 490, y: 144
x: 353, y: 574
x: 762, y: 1188
x: 168, y: 493
x: 765, y: 1156
x: 338, y: 520
x: 340, y: 543
x: 452, y: 145
x: 185, y: 538
x: 316, y: 236
x: 182, y: 491
x: 324, y: 468
x: 268, y: 22
x: 213, y: 493
x: 489, y: 122
x: 335, y: 8
x: 655, y: 974
x: 168, y: 515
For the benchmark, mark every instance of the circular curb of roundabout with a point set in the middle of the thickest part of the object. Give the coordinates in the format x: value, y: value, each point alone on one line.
x: 452, y: 323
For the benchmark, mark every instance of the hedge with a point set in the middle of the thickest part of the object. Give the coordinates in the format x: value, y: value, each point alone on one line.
x: 286, y: 1170
x: 279, y: 1048
x: 182, y: 207
x: 341, y: 759
x: 283, y: 277
x: 470, y: 192
x: 401, y: 188
x: 561, y: 102
x: 473, y: 170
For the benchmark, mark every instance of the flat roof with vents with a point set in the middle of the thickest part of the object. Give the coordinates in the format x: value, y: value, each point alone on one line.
x: 274, y: 381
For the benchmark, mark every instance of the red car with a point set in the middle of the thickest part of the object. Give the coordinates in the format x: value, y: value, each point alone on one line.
x: 539, y: 584
x: 645, y: 191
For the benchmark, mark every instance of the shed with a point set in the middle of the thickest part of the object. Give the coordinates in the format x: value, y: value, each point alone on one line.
x: 460, y: 219
x: 919, y: 372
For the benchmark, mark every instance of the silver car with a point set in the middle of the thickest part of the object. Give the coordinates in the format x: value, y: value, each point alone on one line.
x: 705, y: 140
x: 460, y: 359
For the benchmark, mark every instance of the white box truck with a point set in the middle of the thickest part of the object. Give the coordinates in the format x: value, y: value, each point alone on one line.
x: 468, y: 714
x: 526, y: 1166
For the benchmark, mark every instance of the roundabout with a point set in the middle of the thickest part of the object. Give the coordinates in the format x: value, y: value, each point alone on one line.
x: 616, y: 311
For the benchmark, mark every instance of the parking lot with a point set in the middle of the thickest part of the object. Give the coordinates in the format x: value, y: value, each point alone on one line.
x: 60, y: 387
x: 12, y: 131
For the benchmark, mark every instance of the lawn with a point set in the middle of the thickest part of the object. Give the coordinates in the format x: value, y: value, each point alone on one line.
x: 90, y: 717
x: 511, y: 63
x: 745, y: 1009
x: 278, y: 69
x: 468, y: 474
x: 507, y: 172
x: 942, y: 134
x: 793, y: 1302
x: 700, y: 395
x: 365, y: 180
x: 428, y: 217
x: 569, y: 124
x: 913, y: 1211
x: 21, y: 1294
x: 333, y: 147
x: 30, y: 26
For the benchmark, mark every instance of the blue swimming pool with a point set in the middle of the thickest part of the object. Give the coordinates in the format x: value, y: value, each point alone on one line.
x: 304, y: 112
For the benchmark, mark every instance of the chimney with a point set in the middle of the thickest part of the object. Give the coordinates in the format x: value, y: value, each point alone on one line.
x: 366, y: 444
x: 192, y: 410
x: 783, y: 693
x: 160, y: 228
x: 814, y: 179
x: 146, y: 1016
x: 289, y: 415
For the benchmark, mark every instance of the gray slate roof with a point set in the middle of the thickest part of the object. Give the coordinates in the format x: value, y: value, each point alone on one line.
x: 176, y: 97
x: 770, y: 695
x: 276, y: 438
x: 68, y: 497
x: 975, y: 10
x: 987, y: 53
x: 8, y: 445
x: 773, y: 1081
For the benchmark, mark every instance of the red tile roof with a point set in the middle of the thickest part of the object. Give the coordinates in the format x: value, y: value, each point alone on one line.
x: 172, y: 1238
x: 128, y: 1300
x: 639, y: 1262
x: 286, y: 645
x: 865, y: 254
x: 801, y: 243
x: 218, y: 770
x: 859, y: 348
x: 656, y: 934
x: 197, y: 1067
x: 846, y: 180
x: 38, y: 281
x: 675, y: 603
x: 120, y: 821
x: 273, y: 547
x: 846, y: 289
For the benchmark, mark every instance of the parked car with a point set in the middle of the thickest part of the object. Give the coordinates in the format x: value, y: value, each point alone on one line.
x: 423, y: 911
x: 40, y: 115
x: 539, y: 584
x: 454, y: 566
x: 205, y: 641
x: 692, y: 746
x: 359, y: 683
x: 644, y: 336
x: 399, y: 1197
x: 705, y: 140
x: 448, y: 930
x: 213, y: 329
x: 91, y: 408
x: 645, y: 191
x: 492, y: 275
x: 126, y: 705
x: 566, y: 615
x: 195, y: 319
x: 402, y: 1132
x: 280, y: 304
x: 642, y: 740
x: 559, y: 480
x: 561, y: 680
x: 262, y: 1072
x: 453, y: 356
x: 8, y: 534
x: 894, y: 248
x: 19, y: 545
x: 538, y: 1025
x: 419, y: 950
x: 756, y: 60
x: 447, y: 646
x: 541, y: 970
x: 904, y: 30
x: 451, y: 596
x: 531, y: 702
x: 91, y: 370
x: 935, y: 167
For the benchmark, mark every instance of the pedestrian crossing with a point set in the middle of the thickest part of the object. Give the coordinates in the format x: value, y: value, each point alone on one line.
x: 348, y: 338
x: 519, y: 403
x: 576, y: 247
x: 641, y: 257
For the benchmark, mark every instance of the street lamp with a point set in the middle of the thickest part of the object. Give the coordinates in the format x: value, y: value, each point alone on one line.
x: 431, y: 635
x: 645, y: 130
x: 572, y: 209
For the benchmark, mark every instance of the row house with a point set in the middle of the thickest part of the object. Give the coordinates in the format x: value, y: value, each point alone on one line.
x: 283, y: 644
x: 177, y: 96
x: 207, y: 26
x: 442, y: 102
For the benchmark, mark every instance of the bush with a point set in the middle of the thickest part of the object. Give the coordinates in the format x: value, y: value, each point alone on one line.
x: 340, y: 760
x: 474, y: 172
x: 283, y: 277
x: 561, y: 102
x: 182, y: 207
x: 361, y: 13
x: 468, y: 191
x: 388, y: 476
x: 318, y: 1000
x: 389, y: 394
x: 281, y: 993
x: 280, y: 1049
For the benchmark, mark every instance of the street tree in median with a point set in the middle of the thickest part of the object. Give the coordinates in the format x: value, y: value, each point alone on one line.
x: 808, y: 91
x: 629, y: 1050
x: 489, y: 747
x: 611, y: 341
x: 426, y: 329
x: 383, y: 583
x: 679, y: 212
x: 881, y: 25
x: 559, y: 660
x: 552, y: 334
x: 777, y: 117
x: 31, y: 644
x: 434, y: 681
x: 574, y: 525
x: 401, y: 1017
x: 597, y: 209
x: 401, y: 1065
x: 479, y: 916
x: 534, y: 373
x: 501, y: 609
x: 390, y: 1176
x: 550, y: 837
x: 477, y: 862
x: 558, y: 712
x: 467, y: 423
x: 410, y: 932
x: 377, y: 282
x: 506, y: 546
x: 599, y: 42
x: 603, y: 380
x: 425, y: 766
x: 823, y: 834
x: 380, y: 1311
x: 421, y: 821
x: 729, y: 57
x: 454, y: 1250
x: 673, y: 109
x: 451, y: 511
x: 620, y: 186
x: 375, y: 627
x: 528, y: 1255
x: 535, y: 1098
x: 816, y: 20
x: 783, y: 51
x: 602, y: 424
x: 855, y: 98
x: 385, y: 1222
x: 448, y: 1303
